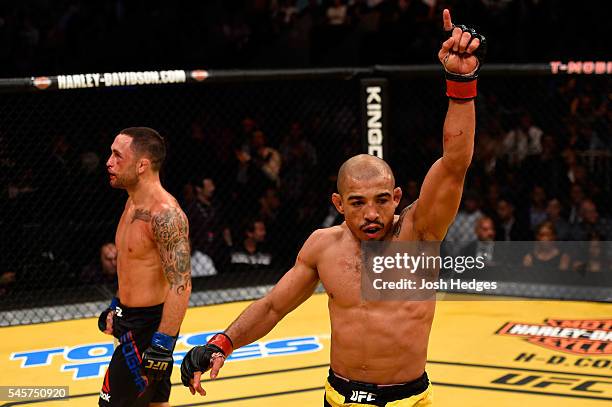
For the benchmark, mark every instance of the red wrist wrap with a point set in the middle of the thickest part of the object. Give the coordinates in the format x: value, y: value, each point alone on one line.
x: 224, y: 342
x: 461, y: 90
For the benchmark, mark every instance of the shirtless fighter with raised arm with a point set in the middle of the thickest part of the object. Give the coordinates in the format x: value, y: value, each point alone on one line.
x: 378, y: 349
x: 154, y: 271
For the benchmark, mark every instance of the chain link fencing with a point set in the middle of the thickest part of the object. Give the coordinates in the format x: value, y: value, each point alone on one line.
x: 252, y: 158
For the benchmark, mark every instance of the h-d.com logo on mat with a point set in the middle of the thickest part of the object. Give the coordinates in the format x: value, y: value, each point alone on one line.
x: 578, y: 336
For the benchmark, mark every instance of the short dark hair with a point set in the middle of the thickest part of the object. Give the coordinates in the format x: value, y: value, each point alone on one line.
x: 248, y: 225
x: 147, y: 141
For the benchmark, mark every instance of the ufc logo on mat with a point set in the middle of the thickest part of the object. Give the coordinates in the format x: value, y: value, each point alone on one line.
x: 157, y: 365
x: 360, y: 396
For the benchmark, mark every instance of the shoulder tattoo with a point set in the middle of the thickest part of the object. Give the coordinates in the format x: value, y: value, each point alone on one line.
x: 398, y: 225
x: 170, y: 230
x: 141, y: 214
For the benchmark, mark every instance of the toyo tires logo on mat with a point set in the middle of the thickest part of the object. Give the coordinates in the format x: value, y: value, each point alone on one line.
x: 577, y: 336
x: 90, y: 360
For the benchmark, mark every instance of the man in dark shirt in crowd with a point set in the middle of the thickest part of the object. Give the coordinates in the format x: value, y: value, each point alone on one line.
x: 509, y: 226
x: 208, y: 232
x: 484, y: 245
x: 249, y: 255
x: 553, y: 214
x: 590, y: 223
x: 104, y: 269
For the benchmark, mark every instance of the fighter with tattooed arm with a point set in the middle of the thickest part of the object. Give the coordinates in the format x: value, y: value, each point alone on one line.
x: 154, y: 272
x: 378, y: 348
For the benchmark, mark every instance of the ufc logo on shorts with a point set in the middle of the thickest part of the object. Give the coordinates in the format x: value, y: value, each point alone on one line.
x: 118, y: 311
x: 360, y: 396
x: 157, y: 365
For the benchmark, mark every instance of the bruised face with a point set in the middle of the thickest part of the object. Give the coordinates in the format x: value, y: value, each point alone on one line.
x: 123, y: 166
x: 368, y: 206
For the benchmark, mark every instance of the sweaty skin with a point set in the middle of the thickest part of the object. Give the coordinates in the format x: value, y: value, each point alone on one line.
x: 373, y: 342
x: 139, y: 261
x: 152, y: 239
x: 376, y: 342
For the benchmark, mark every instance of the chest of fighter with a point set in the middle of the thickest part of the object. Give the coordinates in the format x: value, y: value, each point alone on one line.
x: 134, y: 239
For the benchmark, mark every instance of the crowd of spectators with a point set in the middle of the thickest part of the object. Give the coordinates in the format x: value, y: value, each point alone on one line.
x: 252, y: 194
x: 543, y: 184
x: 252, y: 199
x: 65, y: 36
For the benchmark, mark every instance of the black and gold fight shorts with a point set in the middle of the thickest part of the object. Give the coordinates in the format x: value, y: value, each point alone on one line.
x: 345, y: 393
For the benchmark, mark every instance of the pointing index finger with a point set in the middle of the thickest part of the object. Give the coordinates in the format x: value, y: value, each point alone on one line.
x: 446, y: 18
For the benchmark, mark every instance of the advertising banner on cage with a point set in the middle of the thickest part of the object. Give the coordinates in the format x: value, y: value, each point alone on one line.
x: 374, y: 116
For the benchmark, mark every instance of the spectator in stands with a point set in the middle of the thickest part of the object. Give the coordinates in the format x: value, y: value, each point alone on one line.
x: 337, y: 13
x: 300, y: 157
x: 275, y: 217
x: 484, y: 244
x: 596, y: 259
x: 588, y: 139
x: 486, y: 160
x: 104, y: 269
x: 248, y: 180
x: 509, y: 227
x: 287, y: 12
x: 295, y: 146
x: 547, y: 168
x: 545, y: 255
x: 208, y: 231
x: 553, y: 215
x: 537, y: 208
x: 269, y: 205
x: 266, y: 158
x: 7, y: 279
x: 463, y: 229
x: 522, y: 140
x: 198, y: 151
x: 575, y: 174
x: 57, y: 171
x: 493, y: 195
x: 250, y: 255
x: 576, y: 197
x: 590, y: 223
x: 249, y: 125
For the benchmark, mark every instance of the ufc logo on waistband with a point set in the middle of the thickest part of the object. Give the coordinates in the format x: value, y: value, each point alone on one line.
x: 118, y: 311
x: 360, y: 396
x: 159, y: 365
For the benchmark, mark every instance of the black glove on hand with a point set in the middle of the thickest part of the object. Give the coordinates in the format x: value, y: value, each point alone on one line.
x: 480, y: 53
x: 199, y: 358
x: 157, y: 360
x: 104, y: 315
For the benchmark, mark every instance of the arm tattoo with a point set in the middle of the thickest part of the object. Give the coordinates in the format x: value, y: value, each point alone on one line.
x: 142, y: 214
x: 170, y: 230
x: 398, y: 226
